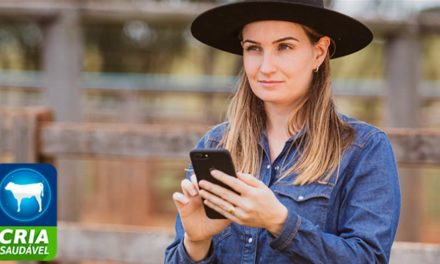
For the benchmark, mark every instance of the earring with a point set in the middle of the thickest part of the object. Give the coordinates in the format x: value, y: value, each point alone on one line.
x: 316, y: 70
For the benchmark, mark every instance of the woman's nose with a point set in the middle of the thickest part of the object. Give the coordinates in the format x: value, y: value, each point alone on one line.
x: 267, y: 64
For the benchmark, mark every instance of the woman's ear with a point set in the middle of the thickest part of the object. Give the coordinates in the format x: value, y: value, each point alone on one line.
x: 321, y: 49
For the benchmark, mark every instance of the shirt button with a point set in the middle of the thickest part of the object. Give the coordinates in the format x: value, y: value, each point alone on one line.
x: 277, y: 167
x: 250, y: 240
x: 300, y: 197
x: 268, y: 167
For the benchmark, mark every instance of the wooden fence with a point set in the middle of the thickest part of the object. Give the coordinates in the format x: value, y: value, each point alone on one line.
x: 29, y: 135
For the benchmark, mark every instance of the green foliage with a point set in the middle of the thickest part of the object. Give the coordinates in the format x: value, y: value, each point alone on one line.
x: 431, y: 57
x: 20, y: 44
x: 365, y: 64
x: 154, y: 50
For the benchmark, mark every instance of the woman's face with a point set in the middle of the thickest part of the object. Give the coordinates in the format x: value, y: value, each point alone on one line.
x: 279, y: 60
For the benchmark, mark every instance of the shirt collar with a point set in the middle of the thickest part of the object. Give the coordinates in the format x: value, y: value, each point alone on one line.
x: 264, y: 142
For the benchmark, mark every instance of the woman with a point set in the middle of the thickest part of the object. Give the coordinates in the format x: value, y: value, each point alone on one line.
x: 313, y: 186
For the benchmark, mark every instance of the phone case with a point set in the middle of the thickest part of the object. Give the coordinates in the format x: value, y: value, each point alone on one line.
x: 205, y: 160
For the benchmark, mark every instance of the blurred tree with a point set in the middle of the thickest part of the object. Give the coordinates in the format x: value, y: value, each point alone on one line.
x: 20, y: 45
x: 136, y: 46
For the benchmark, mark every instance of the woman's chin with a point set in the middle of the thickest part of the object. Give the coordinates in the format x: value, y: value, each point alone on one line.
x: 273, y: 98
x: 274, y: 101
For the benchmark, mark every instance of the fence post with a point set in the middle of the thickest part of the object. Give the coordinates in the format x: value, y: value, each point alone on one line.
x: 402, y: 105
x: 62, y: 64
x: 20, y: 132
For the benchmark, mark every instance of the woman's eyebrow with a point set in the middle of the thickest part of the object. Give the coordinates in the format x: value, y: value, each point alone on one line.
x: 286, y: 38
x: 250, y: 41
x: 276, y: 41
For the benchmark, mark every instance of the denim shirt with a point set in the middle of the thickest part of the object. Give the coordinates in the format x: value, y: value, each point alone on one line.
x: 350, y: 218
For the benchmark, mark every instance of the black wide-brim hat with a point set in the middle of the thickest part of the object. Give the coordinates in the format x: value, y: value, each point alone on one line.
x: 220, y: 27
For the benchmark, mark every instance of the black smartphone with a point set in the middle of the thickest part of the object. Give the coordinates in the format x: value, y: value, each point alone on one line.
x: 205, y: 160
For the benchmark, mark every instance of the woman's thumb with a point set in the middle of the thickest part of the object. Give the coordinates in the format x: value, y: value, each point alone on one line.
x: 180, y: 200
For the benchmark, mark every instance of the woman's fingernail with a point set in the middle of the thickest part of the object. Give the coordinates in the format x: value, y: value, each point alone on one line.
x: 185, y: 200
x: 181, y: 198
x: 202, y: 183
x: 193, y: 192
x: 193, y: 178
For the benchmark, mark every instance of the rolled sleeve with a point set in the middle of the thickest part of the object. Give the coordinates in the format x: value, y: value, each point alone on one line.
x: 288, y: 232
x: 186, y: 259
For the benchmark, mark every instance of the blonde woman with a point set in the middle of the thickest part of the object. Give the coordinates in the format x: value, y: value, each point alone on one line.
x: 313, y: 186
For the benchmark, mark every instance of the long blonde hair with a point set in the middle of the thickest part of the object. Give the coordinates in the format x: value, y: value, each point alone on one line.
x: 321, y: 145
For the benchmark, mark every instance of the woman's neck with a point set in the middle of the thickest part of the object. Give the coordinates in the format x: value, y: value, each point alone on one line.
x: 277, y: 128
x: 278, y: 120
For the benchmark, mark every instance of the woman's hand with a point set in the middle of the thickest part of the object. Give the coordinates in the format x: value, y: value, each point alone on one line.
x: 255, y: 205
x: 198, y: 227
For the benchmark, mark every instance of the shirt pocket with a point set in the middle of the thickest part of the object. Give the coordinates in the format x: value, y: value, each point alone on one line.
x: 309, y: 201
x: 224, y: 244
x: 223, y: 235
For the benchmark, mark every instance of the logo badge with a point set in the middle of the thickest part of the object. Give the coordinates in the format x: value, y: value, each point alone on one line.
x: 28, y: 216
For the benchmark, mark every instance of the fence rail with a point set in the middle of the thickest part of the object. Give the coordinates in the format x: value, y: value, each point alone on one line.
x: 122, y: 82
x: 180, y: 12
x: 411, y: 146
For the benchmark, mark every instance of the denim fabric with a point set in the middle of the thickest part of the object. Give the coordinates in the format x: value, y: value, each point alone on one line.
x: 351, y: 218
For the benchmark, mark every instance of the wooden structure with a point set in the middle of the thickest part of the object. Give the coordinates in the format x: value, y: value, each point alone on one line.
x: 29, y: 135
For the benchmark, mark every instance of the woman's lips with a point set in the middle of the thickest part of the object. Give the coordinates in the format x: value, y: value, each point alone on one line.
x: 270, y: 84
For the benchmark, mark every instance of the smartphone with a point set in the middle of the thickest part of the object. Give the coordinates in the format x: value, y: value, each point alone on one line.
x: 203, y: 162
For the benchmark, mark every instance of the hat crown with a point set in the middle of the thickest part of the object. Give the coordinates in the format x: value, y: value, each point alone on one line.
x: 315, y: 3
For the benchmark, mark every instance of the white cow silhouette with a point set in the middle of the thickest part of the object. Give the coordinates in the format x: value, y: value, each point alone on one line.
x: 21, y: 191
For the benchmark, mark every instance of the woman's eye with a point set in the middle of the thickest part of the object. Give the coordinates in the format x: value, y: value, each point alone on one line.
x: 284, y: 47
x: 252, y: 48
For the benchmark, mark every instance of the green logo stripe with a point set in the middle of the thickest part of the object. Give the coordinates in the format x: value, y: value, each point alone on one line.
x: 28, y: 242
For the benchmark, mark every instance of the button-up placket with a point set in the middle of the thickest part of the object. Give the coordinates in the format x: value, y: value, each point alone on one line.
x: 270, y: 172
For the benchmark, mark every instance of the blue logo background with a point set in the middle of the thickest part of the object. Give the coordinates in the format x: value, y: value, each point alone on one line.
x: 28, y: 215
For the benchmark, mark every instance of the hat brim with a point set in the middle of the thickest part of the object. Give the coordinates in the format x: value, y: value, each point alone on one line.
x: 220, y: 27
